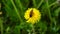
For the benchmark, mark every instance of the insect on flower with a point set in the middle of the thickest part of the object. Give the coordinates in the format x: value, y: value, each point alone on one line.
x: 32, y: 15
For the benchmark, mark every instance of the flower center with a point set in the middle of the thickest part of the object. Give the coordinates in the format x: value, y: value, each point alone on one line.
x: 31, y: 13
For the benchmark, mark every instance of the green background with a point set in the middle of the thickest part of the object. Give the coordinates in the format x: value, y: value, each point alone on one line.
x: 12, y: 18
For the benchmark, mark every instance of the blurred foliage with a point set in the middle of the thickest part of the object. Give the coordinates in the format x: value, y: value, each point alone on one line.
x: 12, y: 18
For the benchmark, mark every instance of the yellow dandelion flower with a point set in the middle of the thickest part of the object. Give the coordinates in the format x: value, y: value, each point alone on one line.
x: 32, y: 15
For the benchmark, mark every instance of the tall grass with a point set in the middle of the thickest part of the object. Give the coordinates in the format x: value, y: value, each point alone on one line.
x: 12, y: 19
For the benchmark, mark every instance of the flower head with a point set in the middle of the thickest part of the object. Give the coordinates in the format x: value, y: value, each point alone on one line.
x: 32, y: 15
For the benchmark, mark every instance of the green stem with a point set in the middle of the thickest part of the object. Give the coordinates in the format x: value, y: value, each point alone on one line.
x: 16, y: 10
x: 40, y: 3
x: 53, y: 4
x: 34, y: 3
x: 1, y: 23
x: 33, y: 29
x: 49, y: 14
x: 29, y: 32
x: 20, y: 5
